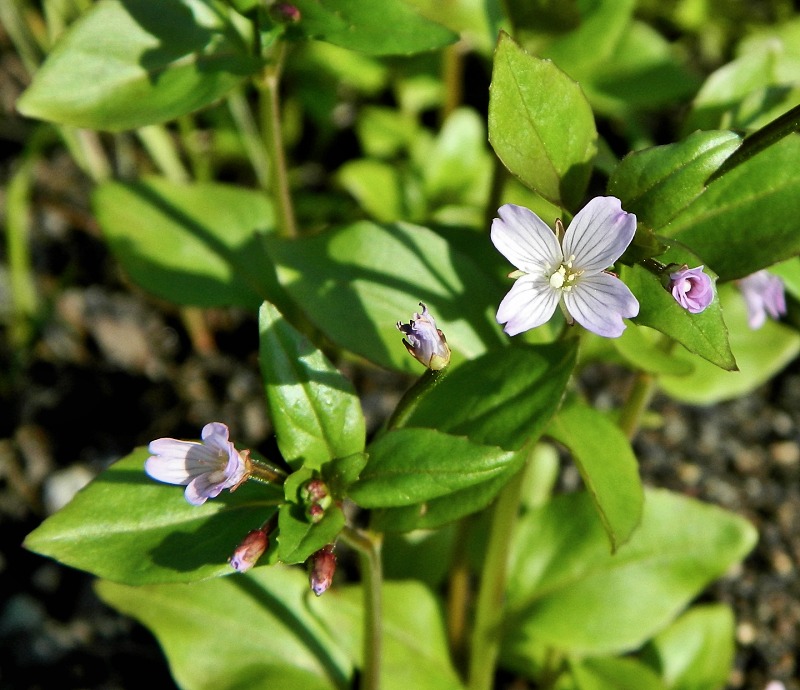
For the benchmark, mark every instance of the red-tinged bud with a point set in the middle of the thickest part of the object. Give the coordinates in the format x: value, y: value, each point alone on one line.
x: 314, y: 491
x: 315, y: 512
x: 322, y: 569
x: 285, y: 12
x: 249, y: 550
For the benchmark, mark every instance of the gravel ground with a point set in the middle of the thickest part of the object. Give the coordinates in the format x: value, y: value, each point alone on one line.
x: 111, y: 368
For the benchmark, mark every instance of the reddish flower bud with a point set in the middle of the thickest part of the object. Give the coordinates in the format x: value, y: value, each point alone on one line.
x: 314, y: 491
x: 315, y: 512
x: 322, y: 569
x: 249, y: 550
x: 285, y: 12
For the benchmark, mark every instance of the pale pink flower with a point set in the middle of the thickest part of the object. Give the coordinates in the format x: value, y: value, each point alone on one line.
x: 204, y: 468
x: 763, y: 294
x: 691, y: 288
x: 568, y: 271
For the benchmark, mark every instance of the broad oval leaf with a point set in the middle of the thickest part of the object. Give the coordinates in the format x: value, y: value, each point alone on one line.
x: 357, y: 281
x: 314, y: 409
x: 390, y: 27
x: 130, y: 63
x: 540, y: 124
x: 128, y: 528
x: 696, y: 651
x: 614, y: 673
x: 248, y: 631
x: 607, y: 465
x: 298, y: 538
x: 415, y: 650
x: 199, y: 244
x: 739, y: 222
x: 504, y: 398
x: 407, y: 466
x: 760, y: 355
x: 566, y: 591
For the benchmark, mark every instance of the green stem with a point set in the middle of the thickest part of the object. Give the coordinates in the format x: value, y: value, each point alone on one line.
x: 251, y: 138
x: 269, y: 84
x: 368, y: 545
x: 642, y: 391
x: 23, y: 290
x: 458, y: 595
x: 161, y: 147
x: 486, y: 632
x: 262, y: 471
x: 413, y: 395
x: 453, y: 78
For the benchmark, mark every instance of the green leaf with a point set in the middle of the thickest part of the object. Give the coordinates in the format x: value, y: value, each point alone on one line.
x: 540, y: 124
x: 607, y: 465
x: 738, y: 223
x: 568, y: 592
x: 704, y: 334
x: 357, y: 281
x: 696, y: 651
x: 504, y: 398
x: 130, y: 63
x: 298, y: 538
x: 128, y: 528
x: 645, y: 349
x: 408, y: 466
x: 760, y: 355
x: 415, y: 650
x: 314, y: 409
x: 199, y: 244
x: 376, y: 186
x: 249, y: 631
x: 445, y: 509
x: 612, y: 673
x: 388, y: 28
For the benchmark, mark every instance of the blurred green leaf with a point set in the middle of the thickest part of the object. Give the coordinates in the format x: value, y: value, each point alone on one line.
x: 760, y: 355
x: 388, y: 28
x: 249, y: 631
x: 357, y: 281
x: 129, y: 528
x: 415, y: 650
x: 199, y: 244
x: 614, y: 673
x: 738, y: 223
x: 503, y: 398
x: 314, y: 409
x: 130, y: 63
x: 696, y: 651
x: 408, y: 466
x: 566, y: 591
x: 376, y: 186
x: 540, y: 124
x: 704, y: 334
x: 607, y: 465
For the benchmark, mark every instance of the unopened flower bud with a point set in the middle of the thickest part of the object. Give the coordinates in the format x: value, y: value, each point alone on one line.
x: 322, y: 569
x: 249, y: 550
x: 314, y: 491
x: 425, y: 342
x: 315, y: 512
x: 764, y: 296
x: 285, y: 13
x: 691, y: 288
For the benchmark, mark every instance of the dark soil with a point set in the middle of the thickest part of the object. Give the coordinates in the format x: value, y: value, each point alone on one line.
x: 108, y: 368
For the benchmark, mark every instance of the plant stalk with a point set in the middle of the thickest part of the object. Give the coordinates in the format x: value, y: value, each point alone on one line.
x: 368, y: 545
x: 486, y: 632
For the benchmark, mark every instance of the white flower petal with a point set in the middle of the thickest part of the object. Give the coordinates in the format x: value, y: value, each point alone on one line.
x: 525, y: 239
x: 600, y: 302
x: 530, y: 303
x: 599, y: 233
x: 215, y: 435
x: 167, y: 470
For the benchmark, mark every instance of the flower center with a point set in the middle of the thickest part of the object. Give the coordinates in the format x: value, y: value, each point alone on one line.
x: 565, y: 276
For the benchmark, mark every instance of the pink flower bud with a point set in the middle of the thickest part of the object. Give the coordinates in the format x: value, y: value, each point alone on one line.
x: 249, y: 550
x: 315, y: 512
x: 425, y: 343
x: 285, y: 12
x: 691, y: 288
x: 314, y: 491
x: 322, y: 569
